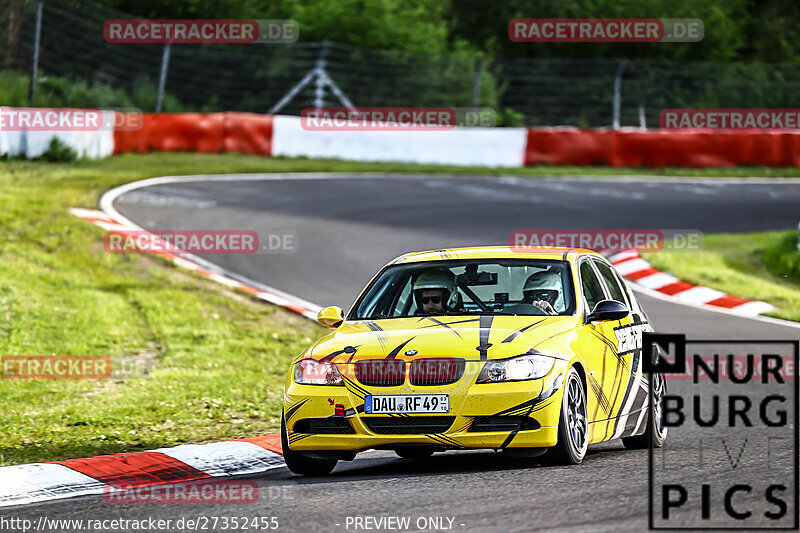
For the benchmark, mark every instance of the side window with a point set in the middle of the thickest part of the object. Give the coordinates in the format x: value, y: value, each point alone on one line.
x: 592, y: 290
x: 611, y: 282
x: 404, y: 301
x: 634, y: 305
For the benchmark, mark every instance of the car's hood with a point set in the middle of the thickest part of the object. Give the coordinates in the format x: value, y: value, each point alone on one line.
x: 468, y: 336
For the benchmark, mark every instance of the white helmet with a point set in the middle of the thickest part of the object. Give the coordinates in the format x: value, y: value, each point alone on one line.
x: 438, y: 278
x: 547, y: 284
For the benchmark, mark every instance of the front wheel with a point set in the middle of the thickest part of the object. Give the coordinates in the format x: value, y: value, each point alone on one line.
x: 573, y: 425
x: 299, y: 463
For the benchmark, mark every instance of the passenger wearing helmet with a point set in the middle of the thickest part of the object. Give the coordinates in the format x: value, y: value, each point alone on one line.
x: 435, y: 292
x: 543, y: 289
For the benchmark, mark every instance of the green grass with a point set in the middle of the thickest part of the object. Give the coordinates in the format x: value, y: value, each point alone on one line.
x: 737, y: 265
x: 215, y: 358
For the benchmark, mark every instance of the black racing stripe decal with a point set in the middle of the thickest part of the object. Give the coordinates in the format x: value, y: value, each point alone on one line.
x: 441, y: 439
x: 615, y: 388
x: 602, y: 401
x: 542, y: 397
x: 449, y: 439
x: 511, y: 411
x: 518, y: 412
x: 294, y: 437
x: 515, y: 431
x: 379, y: 333
x: 639, y: 402
x: 465, y: 426
x: 331, y: 356
x: 605, y: 340
x: 521, y: 331
x: 293, y: 409
x: 352, y: 411
x: 542, y: 405
x: 397, y: 349
x: 521, y: 407
x: 439, y: 323
x: 346, y: 349
x: 466, y: 320
x: 628, y: 385
x: 354, y: 387
x: 444, y: 254
x: 484, y: 333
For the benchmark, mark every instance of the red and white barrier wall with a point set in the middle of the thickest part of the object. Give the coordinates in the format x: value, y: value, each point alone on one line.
x: 31, y: 144
x: 253, y: 133
x: 491, y: 147
x: 487, y: 147
x: 660, y: 148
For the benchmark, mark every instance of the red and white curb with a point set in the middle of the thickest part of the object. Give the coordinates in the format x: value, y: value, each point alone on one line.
x: 635, y: 269
x: 202, y: 267
x: 38, y: 482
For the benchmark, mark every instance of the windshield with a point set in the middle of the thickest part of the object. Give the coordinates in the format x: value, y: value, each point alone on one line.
x: 508, y: 287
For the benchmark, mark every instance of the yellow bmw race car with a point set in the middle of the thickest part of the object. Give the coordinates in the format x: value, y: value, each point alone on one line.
x: 534, y: 352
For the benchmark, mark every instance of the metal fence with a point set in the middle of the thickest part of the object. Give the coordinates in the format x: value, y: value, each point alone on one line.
x: 257, y: 77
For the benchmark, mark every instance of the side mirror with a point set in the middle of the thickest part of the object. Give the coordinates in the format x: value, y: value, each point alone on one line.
x: 607, y: 310
x: 330, y: 317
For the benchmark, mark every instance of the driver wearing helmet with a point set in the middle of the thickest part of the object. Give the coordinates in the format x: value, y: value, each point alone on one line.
x: 543, y: 289
x: 435, y: 292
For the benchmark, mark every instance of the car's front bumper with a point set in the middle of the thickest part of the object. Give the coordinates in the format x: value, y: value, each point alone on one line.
x: 527, y: 411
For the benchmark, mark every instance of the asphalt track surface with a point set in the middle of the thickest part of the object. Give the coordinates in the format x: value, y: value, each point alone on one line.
x: 348, y: 227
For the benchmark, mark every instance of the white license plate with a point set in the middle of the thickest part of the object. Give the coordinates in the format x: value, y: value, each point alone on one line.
x: 412, y: 403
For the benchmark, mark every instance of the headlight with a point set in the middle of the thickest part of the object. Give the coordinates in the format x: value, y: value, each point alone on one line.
x: 311, y: 372
x: 524, y: 367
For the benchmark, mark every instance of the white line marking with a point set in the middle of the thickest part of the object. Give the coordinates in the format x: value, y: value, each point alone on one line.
x: 230, y: 458
x: 752, y: 308
x: 711, y: 308
x: 89, y: 213
x: 270, y: 294
x: 616, y: 258
x: 656, y: 281
x: 225, y: 280
x: 698, y: 295
x: 37, y: 482
x: 185, y: 264
x: 634, y: 265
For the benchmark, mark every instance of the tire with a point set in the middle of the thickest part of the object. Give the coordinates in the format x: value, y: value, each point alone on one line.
x: 573, y: 425
x: 299, y: 463
x: 415, y: 453
x: 654, y: 426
